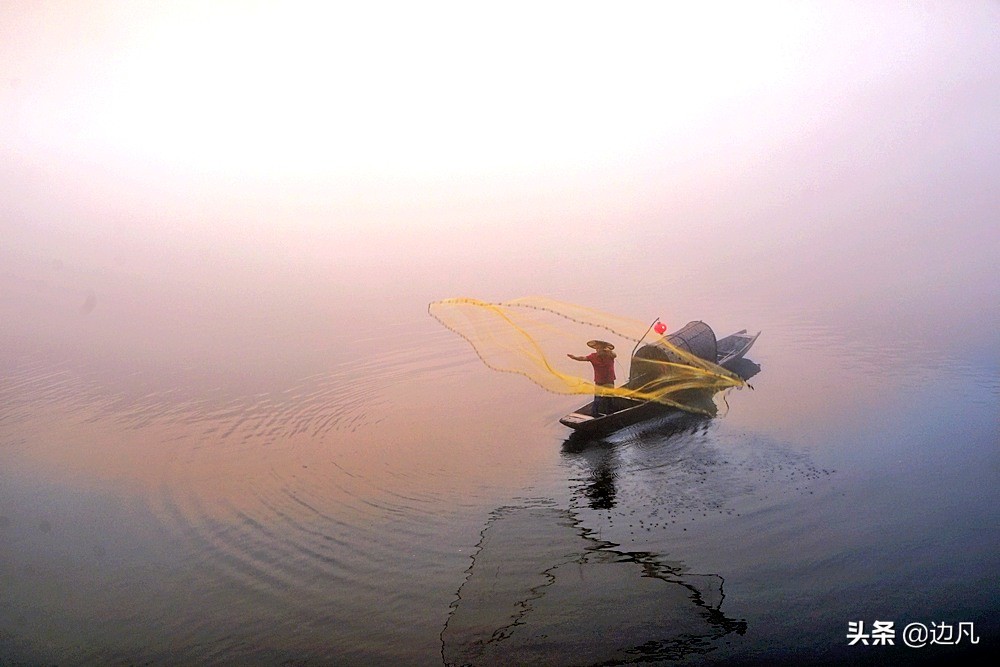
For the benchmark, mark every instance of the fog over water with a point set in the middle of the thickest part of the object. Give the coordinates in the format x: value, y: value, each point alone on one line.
x: 230, y: 432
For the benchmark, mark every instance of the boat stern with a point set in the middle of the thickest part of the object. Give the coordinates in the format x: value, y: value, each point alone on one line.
x: 576, y: 420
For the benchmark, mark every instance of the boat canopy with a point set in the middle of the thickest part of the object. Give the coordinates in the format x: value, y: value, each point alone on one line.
x: 694, y: 337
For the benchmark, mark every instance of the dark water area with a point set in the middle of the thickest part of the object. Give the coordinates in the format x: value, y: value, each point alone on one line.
x: 230, y: 432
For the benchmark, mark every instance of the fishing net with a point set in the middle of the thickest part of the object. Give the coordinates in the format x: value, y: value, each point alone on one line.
x: 532, y: 337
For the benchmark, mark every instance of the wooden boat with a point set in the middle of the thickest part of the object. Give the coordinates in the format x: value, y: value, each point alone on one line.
x: 696, y: 338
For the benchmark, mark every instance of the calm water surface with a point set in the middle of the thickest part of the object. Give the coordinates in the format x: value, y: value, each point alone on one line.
x: 269, y: 467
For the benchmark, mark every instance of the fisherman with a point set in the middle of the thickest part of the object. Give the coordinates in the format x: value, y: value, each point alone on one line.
x: 603, y: 360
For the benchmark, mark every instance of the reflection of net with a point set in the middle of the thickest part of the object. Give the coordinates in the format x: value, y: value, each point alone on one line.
x: 540, y: 590
x: 532, y: 336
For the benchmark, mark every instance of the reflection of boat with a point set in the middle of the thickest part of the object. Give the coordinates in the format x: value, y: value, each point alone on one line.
x: 696, y: 338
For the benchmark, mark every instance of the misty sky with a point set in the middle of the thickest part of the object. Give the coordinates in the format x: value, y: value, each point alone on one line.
x: 446, y: 90
x: 397, y: 118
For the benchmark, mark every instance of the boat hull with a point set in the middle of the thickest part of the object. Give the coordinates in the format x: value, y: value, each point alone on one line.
x: 582, y: 420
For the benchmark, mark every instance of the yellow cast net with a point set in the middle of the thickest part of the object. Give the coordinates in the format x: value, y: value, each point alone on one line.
x: 532, y: 337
